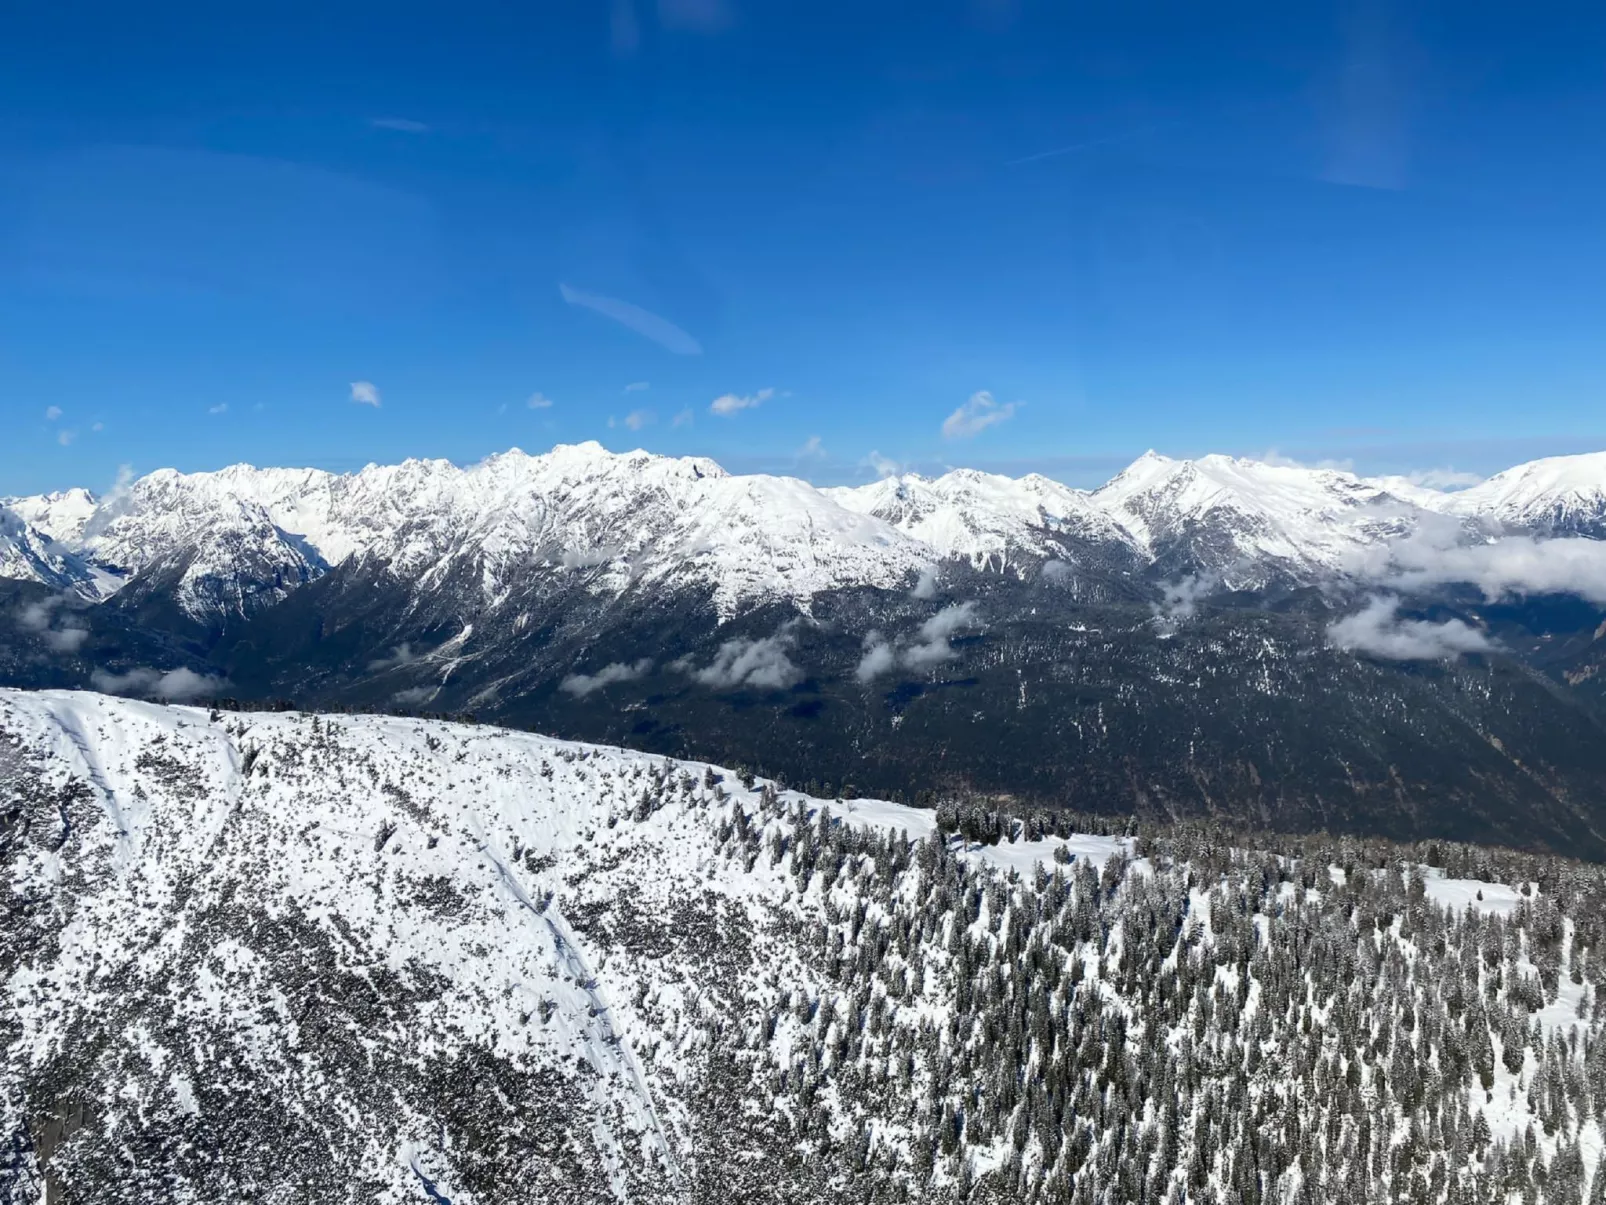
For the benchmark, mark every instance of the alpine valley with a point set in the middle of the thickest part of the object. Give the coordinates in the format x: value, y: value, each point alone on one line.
x: 1291, y: 648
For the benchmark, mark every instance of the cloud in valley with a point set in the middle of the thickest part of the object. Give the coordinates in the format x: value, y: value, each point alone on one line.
x: 1378, y: 630
x: 978, y: 413
x: 645, y: 323
x: 401, y: 655
x: 581, y: 685
x: 1438, y: 553
x: 1180, y: 599
x: 931, y: 645
x: 63, y: 634
x: 172, y: 686
x: 743, y: 662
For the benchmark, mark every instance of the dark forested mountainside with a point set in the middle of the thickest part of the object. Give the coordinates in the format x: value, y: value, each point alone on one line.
x: 350, y: 958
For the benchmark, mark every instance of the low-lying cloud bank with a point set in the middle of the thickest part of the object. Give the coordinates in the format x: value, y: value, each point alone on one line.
x: 53, y: 621
x: 1444, y: 551
x: 931, y: 646
x: 581, y: 685
x: 173, y: 686
x: 743, y: 662
x: 1378, y: 630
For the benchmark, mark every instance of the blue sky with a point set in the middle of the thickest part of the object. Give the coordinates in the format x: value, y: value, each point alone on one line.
x: 1354, y: 231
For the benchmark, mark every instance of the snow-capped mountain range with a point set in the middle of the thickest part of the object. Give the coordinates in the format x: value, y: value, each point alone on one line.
x: 233, y: 540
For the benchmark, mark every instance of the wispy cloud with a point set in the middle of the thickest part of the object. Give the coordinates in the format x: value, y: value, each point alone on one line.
x: 1443, y: 479
x: 52, y: 413
x: 404, y: 125
x: 581, y: 685
x: 539, y: 401
x: 66, y: 437
x: 637, y: 419
x: 637, y: 386
x: 645, y: 323
x: 220, y: 408
x: 401, y: 655
x: 812, y: 449
x: 978, y: 413
x: 930, y: 646
x: 97, y: 426
x: 881, y: 466
x: 1379, y: 630
x: 727, y: 404
x: 699, y: 16
x: 365, y: 393
x: 684, y: 419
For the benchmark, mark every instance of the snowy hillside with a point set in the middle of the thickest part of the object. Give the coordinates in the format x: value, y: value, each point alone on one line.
x: 989, y: 520
x: 1561, y: 495
x: 360, y: 958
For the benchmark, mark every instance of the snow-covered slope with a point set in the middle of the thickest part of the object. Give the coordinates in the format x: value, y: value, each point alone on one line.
x: 644, y: 518
x: 990, y: 520
x: 1237, y: 517
x: 1557, y: 496
x: 242, y: 537
x: 361, y: 958
x: 29, y: 554
x: 60, y: 515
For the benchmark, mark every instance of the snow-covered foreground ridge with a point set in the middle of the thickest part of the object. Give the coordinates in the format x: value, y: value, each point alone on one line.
x: 639, y: 517
x: 367, y: 958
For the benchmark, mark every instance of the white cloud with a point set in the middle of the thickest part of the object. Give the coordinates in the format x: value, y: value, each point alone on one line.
x: 727, y: 404
x: 1277, y: 460
x: 1056, y: 572
x: 926, y: 585
x: 645, y: 323
x: 1179, y: 599
x: 700, y: 16
x: 882, y: 466
x: 1443, y: 479
x: 1378, y: 630
x: 403, y: 125
x: 175, y: 684
x: 66, y: 437
x: 365, y: 393
x: 812, y: 449
x: 637, y: 419
x: 539, y: 401
x: 637, y: 386
x: 37, y: 617
x: 976, y: 415
x: 581, y: 685
x: 933, y: 647
x: 744, y: 662
x: 401, y: 655
x: 220, y: 408
x: 413, y: 695
x: 930, y: 645
x: 97, y: 426
x: 684, y: 419
x: 878, y: 658
x: 52, y: 413
x: 1435, y: 554
x: 65, y: 639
